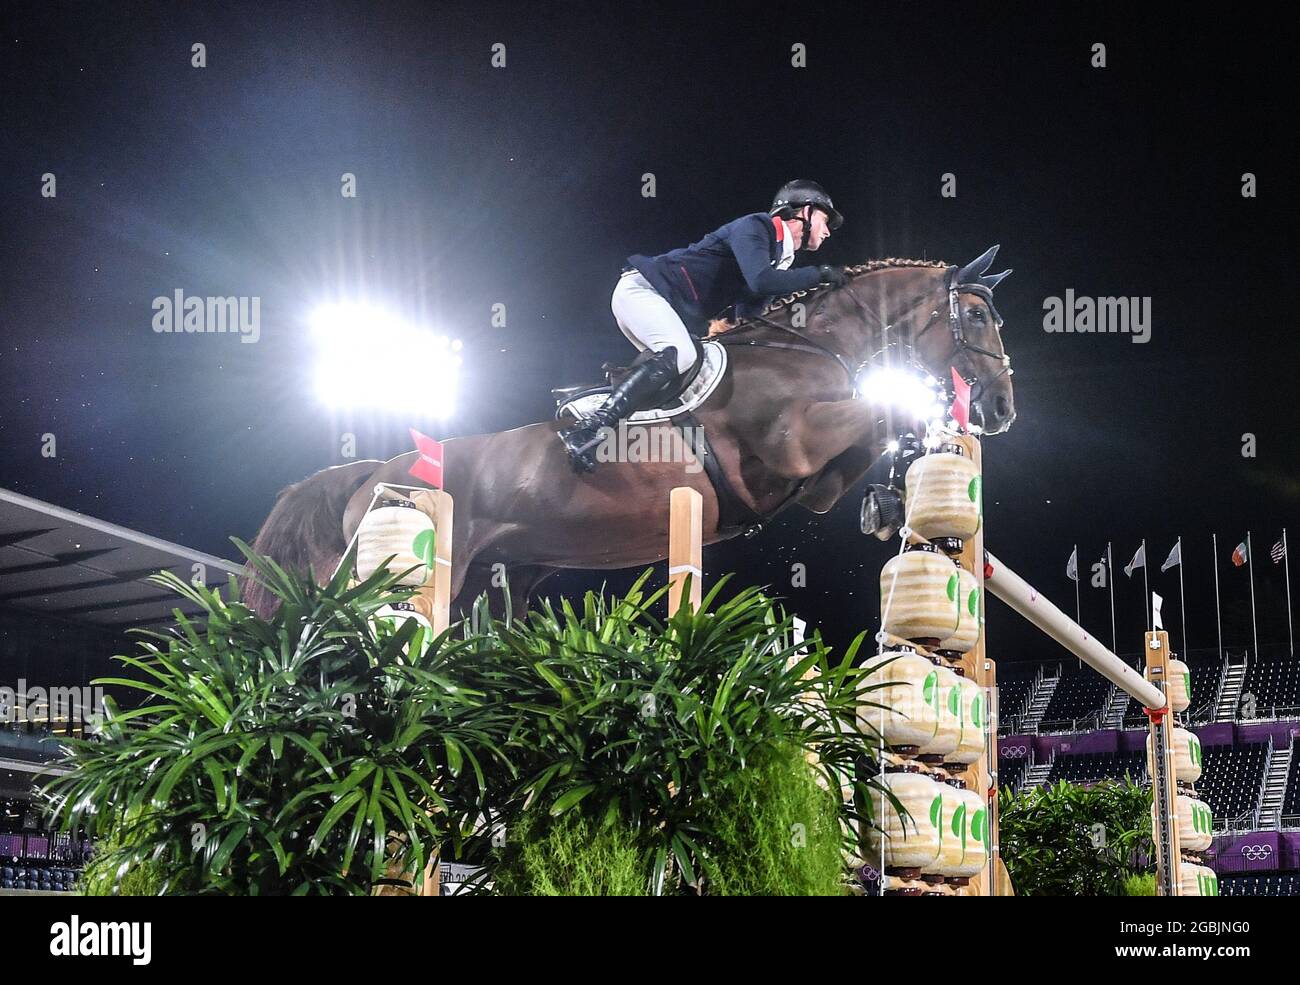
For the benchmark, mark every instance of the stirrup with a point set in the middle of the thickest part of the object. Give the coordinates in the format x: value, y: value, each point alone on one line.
x: 580, y: 442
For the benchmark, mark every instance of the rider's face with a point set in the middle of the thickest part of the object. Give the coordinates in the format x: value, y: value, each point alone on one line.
x: 819, y: 231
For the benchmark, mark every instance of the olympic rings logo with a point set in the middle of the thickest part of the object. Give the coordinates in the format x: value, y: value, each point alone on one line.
x: 1256, y: 853
x: 1013, y: 752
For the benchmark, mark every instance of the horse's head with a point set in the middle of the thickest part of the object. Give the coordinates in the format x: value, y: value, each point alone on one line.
x: 919, y: 314
x: 975, y: 339
x: 952, y: 324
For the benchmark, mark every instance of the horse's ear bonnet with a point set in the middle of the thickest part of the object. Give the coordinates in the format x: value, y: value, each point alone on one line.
x: 974, y: 273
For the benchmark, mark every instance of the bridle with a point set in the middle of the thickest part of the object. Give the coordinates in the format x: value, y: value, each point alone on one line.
x: 956, y: 326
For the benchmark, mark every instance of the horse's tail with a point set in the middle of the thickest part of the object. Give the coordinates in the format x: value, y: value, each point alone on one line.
x: 305, y: 529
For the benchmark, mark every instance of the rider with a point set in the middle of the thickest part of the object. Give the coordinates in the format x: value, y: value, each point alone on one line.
x: 660, y: 299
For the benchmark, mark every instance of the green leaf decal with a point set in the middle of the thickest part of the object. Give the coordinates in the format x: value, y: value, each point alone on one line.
x: 977, y: 824
x: 959, y: 822
x: 425, y: 547
x: 930, y: 690
x: 973, y: 602
x: 977, y: 711
x: 975, y: 492
x: 936, y: 814
x: 954, y: 702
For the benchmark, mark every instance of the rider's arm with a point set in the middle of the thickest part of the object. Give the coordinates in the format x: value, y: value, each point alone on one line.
x: 749, y: 244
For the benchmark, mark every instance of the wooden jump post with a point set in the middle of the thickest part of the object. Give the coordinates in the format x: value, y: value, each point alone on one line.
x: 1163, y: 772
x: 982, y: 777
x: 685, y: 553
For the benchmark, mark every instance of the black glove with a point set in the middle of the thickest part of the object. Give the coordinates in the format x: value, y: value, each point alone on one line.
x: 832, y: 275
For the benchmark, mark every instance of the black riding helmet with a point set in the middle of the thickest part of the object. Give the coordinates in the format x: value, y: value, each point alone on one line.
x: 794, y: 195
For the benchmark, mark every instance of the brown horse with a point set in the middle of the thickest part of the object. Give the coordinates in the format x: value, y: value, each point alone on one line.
x: 786, y: 425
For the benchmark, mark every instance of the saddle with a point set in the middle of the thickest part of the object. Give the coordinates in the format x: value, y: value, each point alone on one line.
x: 681, y: 397
x: 677, y: 405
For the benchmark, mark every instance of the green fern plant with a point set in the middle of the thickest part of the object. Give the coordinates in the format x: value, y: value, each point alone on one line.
x: 640, y: 725
x: 305, y: 754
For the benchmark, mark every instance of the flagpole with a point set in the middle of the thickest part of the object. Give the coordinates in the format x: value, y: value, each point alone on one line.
x: 1110, y: 578
x: 1286, y: 569
x: 1146, y: 588
x: 1218, y: 611
x: 1250, y: 570
x: 1182, y: 598
x: 1078, y: 615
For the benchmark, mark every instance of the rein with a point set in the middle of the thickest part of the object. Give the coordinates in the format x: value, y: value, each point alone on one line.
x: 955, y: 324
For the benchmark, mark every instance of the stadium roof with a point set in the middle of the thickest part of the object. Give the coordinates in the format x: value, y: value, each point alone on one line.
x: 66, y: 565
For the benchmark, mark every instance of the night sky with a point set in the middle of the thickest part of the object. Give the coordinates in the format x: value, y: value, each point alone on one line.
x: 522, y: 186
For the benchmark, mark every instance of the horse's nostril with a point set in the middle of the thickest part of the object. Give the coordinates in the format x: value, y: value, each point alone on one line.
x: 1002, y: 407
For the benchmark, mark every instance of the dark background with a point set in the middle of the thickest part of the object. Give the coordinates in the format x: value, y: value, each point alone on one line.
x: 522, y: 185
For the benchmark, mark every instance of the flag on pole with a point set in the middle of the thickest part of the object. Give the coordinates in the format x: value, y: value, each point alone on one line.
x: 1278, y: 552
x: 1240, y: 554
x: 1156, y: 603
x: 428, y: 466
x: 1175, y: 557
x: 1139, y: 560
x: 1072, y: 566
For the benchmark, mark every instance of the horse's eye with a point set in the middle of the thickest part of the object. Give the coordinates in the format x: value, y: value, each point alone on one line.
x: 977, y: 314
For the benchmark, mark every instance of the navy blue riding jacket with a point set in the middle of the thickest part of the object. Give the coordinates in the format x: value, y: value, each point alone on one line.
x: 734, y: 264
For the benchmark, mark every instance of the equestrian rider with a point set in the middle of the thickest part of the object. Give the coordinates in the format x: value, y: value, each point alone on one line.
x: 660, y: 299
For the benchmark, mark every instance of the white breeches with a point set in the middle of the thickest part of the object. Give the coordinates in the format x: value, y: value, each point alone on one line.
x: 648, y: 320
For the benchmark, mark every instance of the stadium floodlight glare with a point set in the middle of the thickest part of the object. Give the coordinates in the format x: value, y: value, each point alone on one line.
x: 368, y: 358
x: 909, y: 392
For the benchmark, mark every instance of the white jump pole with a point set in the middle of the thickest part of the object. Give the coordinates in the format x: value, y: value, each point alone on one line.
x: 1026, y: 600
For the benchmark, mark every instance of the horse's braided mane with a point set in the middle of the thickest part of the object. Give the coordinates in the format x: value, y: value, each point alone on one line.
x: 719, y: 327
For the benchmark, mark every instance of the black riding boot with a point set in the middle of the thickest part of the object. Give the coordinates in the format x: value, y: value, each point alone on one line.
x: 634, y: 393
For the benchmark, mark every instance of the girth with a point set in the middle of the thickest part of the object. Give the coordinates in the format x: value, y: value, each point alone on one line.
x: 735, y: 516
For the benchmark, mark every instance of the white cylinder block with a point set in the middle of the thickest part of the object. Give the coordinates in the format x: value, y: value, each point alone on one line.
x: 1197, y: 880
x: 1195, y: 824
x: 944, y: 496
x: 948, y: 709
x: 1186, y: 749
x: 402, y: 532
x: 952, y: 846
x: 910, y: 841
x: 972, y: 716
x: 970, y: 614
x: 1179, y: 687
x: 919, y: 595
x: 972, y: 828
x: 909, y: 690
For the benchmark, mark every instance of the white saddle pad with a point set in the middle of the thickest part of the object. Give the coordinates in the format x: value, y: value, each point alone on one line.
x: 705, y: 382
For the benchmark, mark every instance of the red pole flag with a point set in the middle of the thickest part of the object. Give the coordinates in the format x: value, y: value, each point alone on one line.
x: 960, y: 400
x: 428, y: 467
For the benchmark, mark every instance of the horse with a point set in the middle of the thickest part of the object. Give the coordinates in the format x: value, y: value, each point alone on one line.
x: 786, y: 425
